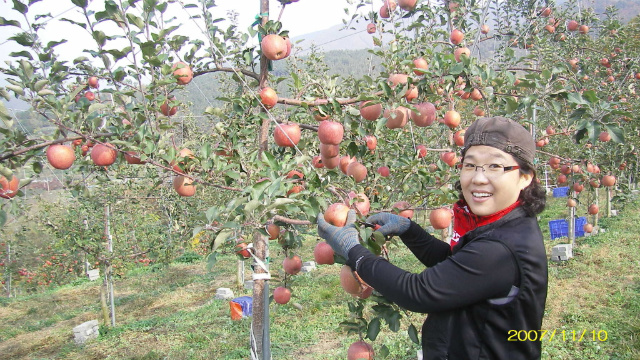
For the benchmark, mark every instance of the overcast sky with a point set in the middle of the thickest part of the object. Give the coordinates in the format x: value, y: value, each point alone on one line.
x: 302, y: 17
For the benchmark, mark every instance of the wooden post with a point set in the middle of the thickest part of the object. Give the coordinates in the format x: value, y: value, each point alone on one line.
x: 609, y: 201
x: 572, y: 222
x: 597, y: 202
x: 260, y: 315
x: 240, y: 274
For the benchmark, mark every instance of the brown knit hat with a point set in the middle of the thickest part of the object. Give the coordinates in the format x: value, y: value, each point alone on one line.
x: 503, y: 134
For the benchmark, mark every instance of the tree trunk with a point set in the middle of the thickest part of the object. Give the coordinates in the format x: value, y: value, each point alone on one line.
x: 103, y: 302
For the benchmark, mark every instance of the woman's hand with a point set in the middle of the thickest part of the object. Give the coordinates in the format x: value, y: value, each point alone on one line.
x: 341, y: 239
x: 390, y: 224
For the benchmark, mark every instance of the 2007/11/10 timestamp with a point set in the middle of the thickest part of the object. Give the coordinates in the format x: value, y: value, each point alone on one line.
x: 558, y: 335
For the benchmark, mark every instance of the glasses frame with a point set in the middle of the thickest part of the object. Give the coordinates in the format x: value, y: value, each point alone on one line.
x: 484, y: 171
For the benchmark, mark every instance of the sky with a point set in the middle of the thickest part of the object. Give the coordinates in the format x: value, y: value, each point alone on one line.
x: 302, y: 17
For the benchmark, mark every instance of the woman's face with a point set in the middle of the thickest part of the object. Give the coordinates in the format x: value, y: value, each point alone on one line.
x: 487, y: 192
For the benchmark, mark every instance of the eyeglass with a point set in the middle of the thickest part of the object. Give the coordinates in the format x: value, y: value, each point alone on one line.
x: 489, y: 170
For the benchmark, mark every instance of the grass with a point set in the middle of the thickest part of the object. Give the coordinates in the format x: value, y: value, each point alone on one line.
x: 171, y: 313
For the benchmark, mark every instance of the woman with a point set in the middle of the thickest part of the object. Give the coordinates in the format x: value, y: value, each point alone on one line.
x: 491, y: 283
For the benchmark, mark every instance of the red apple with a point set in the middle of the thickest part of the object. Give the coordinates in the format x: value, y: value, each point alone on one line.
x: 421, y: 150
x: 93, y: 82
x: 323, y: 254
x: 60, y: 156
x: 330, y: 132
x: 383, y: 171
x: 345, y: 161
x: 274, y: 47
x: 370, y: 111
x: 357, y: 171
x: 572, y: 25
x: 268, y: 97
x: 458, y: 52
x: 420, y: 66
x: 9, y: 188
x: 292, y: 265
x: 182, y: 72
x: 336, y: 214
x: 456, y: 36
x: 452, y: 119
x: 103, y: 154
x: 425, y: 116
x: 281, y: 295
x: 371, y: 142
x: 287, y: 135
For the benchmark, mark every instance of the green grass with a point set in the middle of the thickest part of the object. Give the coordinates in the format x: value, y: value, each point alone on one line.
x: 171, y: 314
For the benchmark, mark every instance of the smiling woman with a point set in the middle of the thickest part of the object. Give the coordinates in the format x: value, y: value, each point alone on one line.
x: 492, y: 278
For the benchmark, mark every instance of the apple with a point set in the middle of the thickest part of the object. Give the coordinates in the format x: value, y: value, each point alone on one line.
x: 184, y: 153
x: 295, y: 189
x: 93, y: 82
x: 452, y: 119
x: 571, y: 202
x: 281, y: 295
x: 420, y: 66
x: 562, y: 179
x: 397, y: 118
x: 132, y: 157
x: 317, y: 162
x: 336, y: 214
x: 456, y: 36
x: 550, y: 28
x: 572, y: 25
x: 458, y: 52
x: 348, y: 281
x: 241, y: 249
x: 383, y: 171
x: 295, y: 174
x: 403, y: 208
x: 361, y: 202
x: 60, y: 156
x: 475, y: 95
x: 407, y: 5
x: 545, y: 12
x: 550, y: 130
x: 425, y: 116
x: 478, y: 111
x: 588, y: 228
x: 345, y: 161
x: 330, y: 132
x: 371, y: 141
x: 90, y: 96
x: 103, y: 154
x: 292, y: 265
x: 604, y: 136
x: 440, y: 218
x: 166, y: 110
x: 449, y: 158
x: 273, y: 47
x: 330, y: 162
x: 289, y: 46
x: 357, y: 171
x: 593, y: 209
x: 577, y: 187
x: 183, y: 185
x: 395, y: 79
x: 329, y: 151
x: 421, y: 150
x: 273, y: 230
x: 9, y: 188
x: 583, y: 29
x: 370, y: 111
x: 182, y: 72
x: 371, y: 28
x: 384, y: 12
x: 287, y: 135
x: 323, y: 254
x: 608, y: 180
x: 484, y: 29
x: 268, y: 97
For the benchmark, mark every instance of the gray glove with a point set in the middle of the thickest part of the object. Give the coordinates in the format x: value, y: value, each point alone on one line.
x: 391, y: 224
x: 341, y: 239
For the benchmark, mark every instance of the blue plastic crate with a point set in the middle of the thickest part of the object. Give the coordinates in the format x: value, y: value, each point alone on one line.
x: 560, y: 228
x: 561, y: 191
x: 246, y: 302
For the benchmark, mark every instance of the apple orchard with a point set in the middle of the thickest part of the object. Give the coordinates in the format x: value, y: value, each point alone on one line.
x: 276, y: 150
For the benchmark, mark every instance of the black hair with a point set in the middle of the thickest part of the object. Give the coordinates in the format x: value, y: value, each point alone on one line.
x: 533, y: 197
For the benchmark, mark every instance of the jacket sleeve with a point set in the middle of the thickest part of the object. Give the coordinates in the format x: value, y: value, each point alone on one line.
x: 482, y: 270
x: 426, y: 247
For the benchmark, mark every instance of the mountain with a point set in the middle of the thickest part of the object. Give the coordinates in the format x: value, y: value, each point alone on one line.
x: 335, y: 38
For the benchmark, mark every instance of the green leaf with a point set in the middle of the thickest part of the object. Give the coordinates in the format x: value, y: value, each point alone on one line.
x: 576, y: 98
x: 37, y: 167
x: 4, y: 115
x: 5, y: 22
x: 3, y: 218
x: 373, y: 329
x: 80, y: 3
x: 591, y: 96
x: 22, y: 8
x: 251, y: 206
x: 413, y: 334
x: 280, y: 202
x: 617, y: 134
x: 384, y: 352
x: 222, y: 236
x: 23, y: 53
x: 211, y: 260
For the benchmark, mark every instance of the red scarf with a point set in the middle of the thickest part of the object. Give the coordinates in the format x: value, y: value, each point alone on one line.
x: 464, y: 220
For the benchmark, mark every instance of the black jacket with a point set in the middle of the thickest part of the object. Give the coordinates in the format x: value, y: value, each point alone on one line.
x: 493, y: 285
